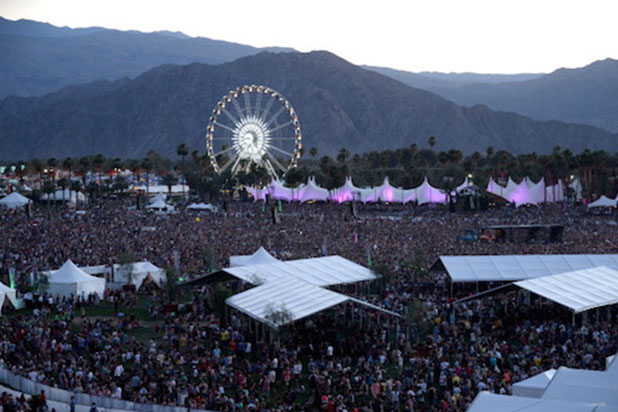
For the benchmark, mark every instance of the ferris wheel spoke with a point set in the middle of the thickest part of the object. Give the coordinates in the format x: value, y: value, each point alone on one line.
x: 224, y: 151
x: 247, y: 104
x: 228, y: 114
x: 267, y: 108
x: 228, y: 163
x: 224, y: 126
x: 274, y: 117
x: 274, y: 160
x: 258, y: 103
x: 238, y: 108
x: 282, y: 151
x: 281, y: 138
x: 268, y: 166
x: 281, y: 126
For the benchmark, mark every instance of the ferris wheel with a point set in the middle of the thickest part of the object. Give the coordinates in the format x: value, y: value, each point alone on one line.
x: 253, y: 125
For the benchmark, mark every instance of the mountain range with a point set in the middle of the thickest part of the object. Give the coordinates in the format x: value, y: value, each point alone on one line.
x: 38, y: 58
x: 587, y: 95
x: 339, y: 105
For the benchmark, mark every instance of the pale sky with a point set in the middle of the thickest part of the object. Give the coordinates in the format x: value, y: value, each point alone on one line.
x: 484, y: 36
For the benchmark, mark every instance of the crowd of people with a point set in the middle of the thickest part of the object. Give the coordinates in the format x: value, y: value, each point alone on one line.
x: 435, y: 357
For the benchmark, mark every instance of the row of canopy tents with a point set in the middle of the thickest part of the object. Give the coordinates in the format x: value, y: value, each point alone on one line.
x: 565, y: 389
x: 14, y: 200
x: 425, y: 193
x: 527, y: 192
x: 72, y: 280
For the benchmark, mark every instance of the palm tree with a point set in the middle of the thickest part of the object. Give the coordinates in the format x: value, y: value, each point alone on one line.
x: 169, y: 180
x: 182, y: 150
x: 63, y: 183
x: 76, y: 186
x: 431, y: 141
x: 147, y: 167
x: 313, y: 152
x: 343, y: 155
x: 98, y: 162
x: 84, y: 164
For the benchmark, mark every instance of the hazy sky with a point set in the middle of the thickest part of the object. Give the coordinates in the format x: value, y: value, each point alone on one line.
x: 487, y: 36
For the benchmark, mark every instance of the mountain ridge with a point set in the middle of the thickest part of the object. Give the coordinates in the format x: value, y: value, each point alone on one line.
x: 339, y: 105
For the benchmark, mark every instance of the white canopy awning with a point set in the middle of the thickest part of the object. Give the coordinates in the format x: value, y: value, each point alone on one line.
x: 603, y: 201
x: 322, y: 271
x: 260, y: 257
x: 14, y: 200
x: 518, y: 267
x: 71, y: 280
x: 490, y: 402
x: 284, y: 300
x: 579, y: 290
x: 535, y: 386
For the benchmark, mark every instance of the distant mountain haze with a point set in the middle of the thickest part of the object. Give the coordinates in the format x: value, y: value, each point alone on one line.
x: 39, y: 58
x: 339, y: 105
x: 587, y: 95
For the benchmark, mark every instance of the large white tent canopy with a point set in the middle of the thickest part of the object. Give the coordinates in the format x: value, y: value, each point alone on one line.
x: 136, y: 273
x: 65, y: 195
x: 282, y: 301
x: 519, y: 267
x: 604, y: 201
x: 579, y: 290
x: 14, y: 200
x: 7, y: 293
x: 568, y: 390
x: 535, y: 386
x: 71, y: 280
x: 293, y: 297
x: 322, y: 271
x: 259, y: 257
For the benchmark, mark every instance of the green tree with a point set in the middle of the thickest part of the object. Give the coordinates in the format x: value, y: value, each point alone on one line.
x: 431, y: 141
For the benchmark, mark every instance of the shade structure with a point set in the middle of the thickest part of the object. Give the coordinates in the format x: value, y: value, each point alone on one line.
x: 65, y: 195
x: 425, y: 193
x: 490, y: 402
x: 70, y: 280
x: 202, y: 206
x: 603, y: 201
x: 138, y: 273
x: 14, y: 201
x: 579, y: 290
x: 7, y: 293
x: 527, y: 192
x: 311, y: 192
x: 322, y: 271
x: 535, y: 386
x: 158, y: 196
x: 519, y: 267
x: 282, y: 301
x: 162, y: 189
x: 160, y: 205
x: 259, y: 257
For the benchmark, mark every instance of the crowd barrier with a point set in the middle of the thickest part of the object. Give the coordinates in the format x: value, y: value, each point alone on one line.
x: 27, y: 386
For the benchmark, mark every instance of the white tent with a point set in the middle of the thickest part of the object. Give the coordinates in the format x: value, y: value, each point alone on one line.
x: 281, y: 301
x: 579, y: 290
x: 176, y: 189
x: 14, y: 200
x: 70, y: 280
x: 7, y: 293
x: 157, y: 197
x: 425, y: 193
x: 322, y: 271
x: 535, y: 386
x: 65, y: 195
x: 140, y: 271
x: 311, y: 192
x: 290, y: 296
x: 603, y: 201
x: 518, y: 267
x: 490, y: 402
x: 259, y: 257
x: 160, y: 205
x: 202, y: 206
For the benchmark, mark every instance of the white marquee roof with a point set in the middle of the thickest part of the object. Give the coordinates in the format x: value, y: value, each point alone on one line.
x: 259, y: 257
x: 297, y: 297
x: 535, y: 386
x: 518, y: 267
x: 322, y: 271
x: 14, y: 200
x: 579, y: 290
x: 604, y: 201
x: 490, y: 402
